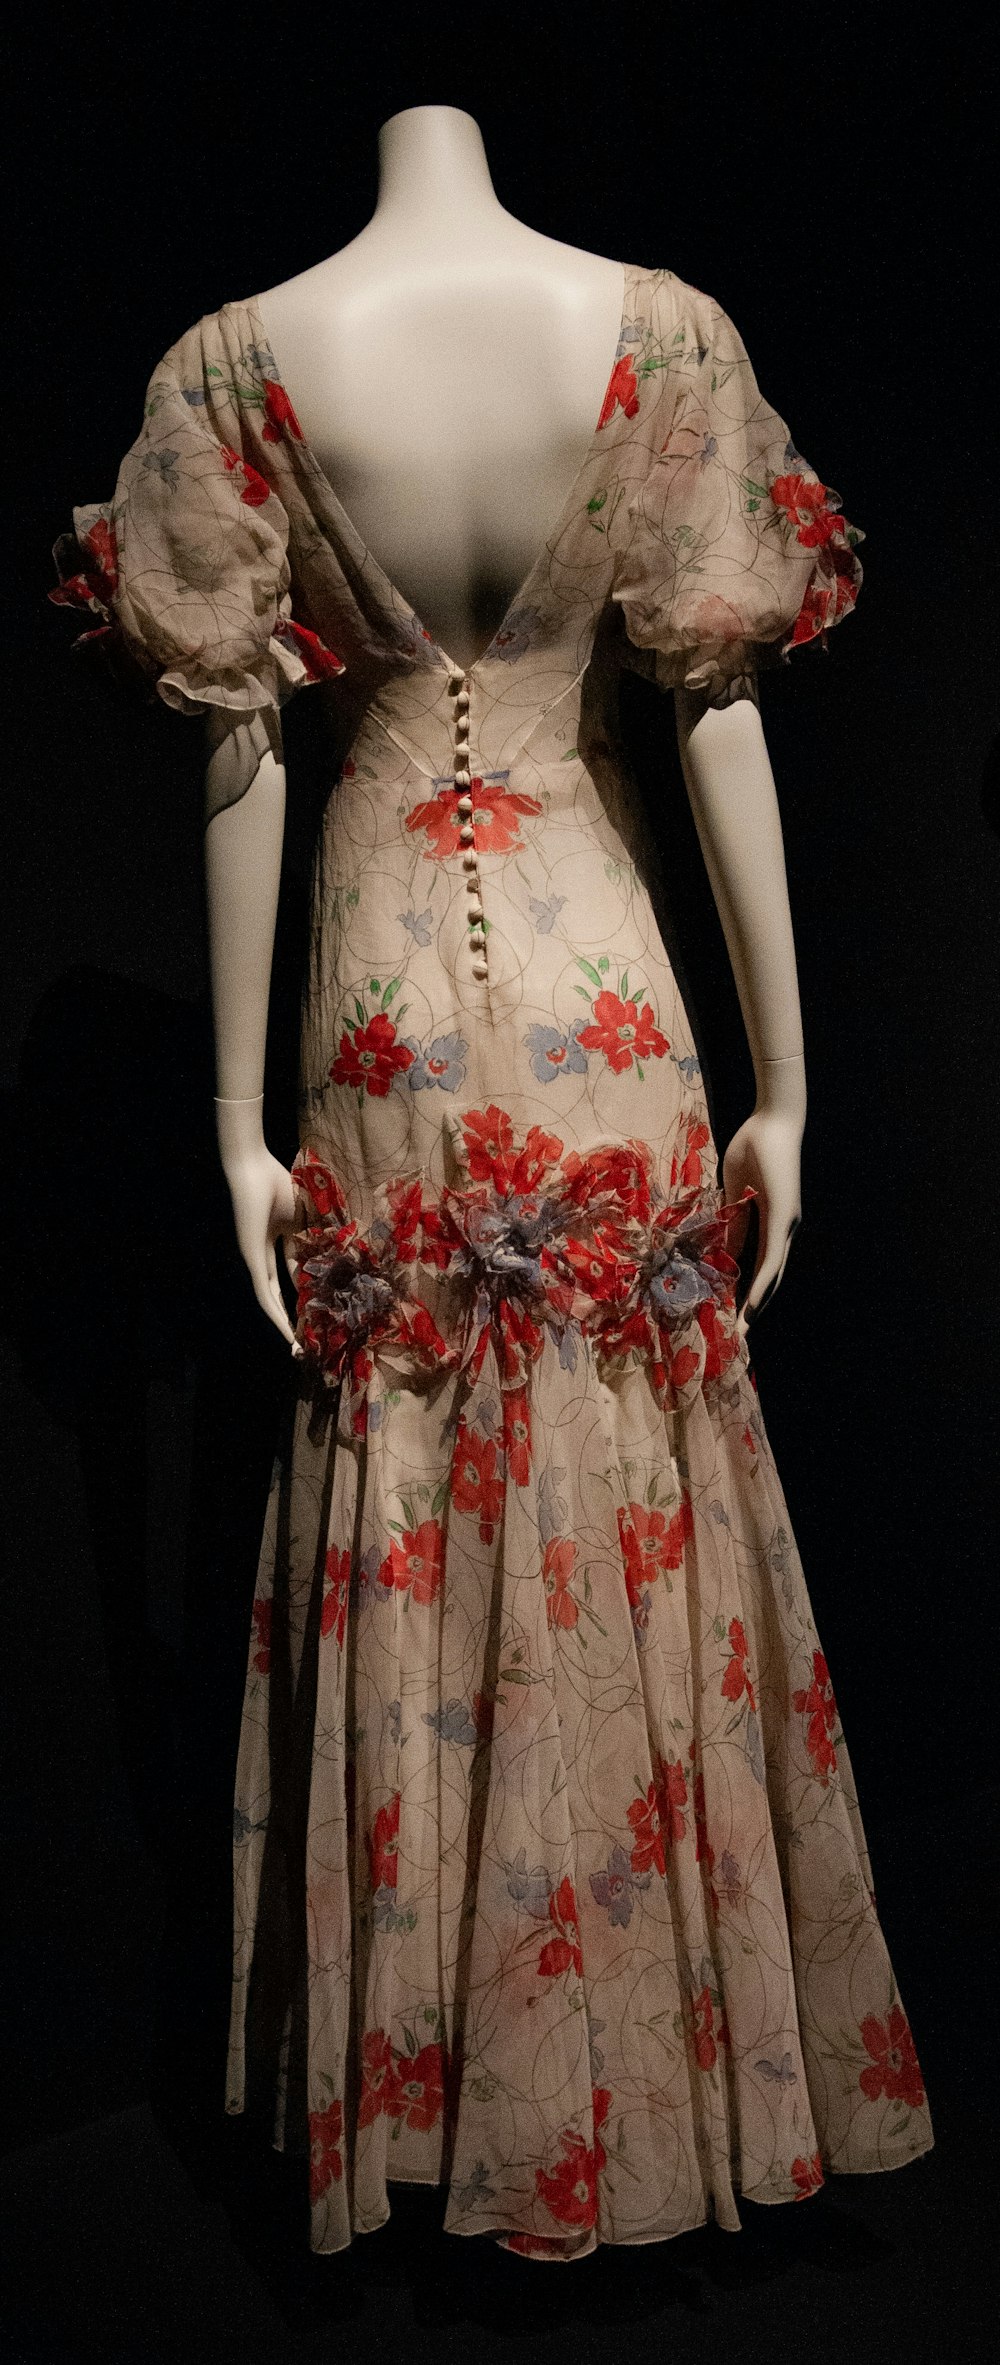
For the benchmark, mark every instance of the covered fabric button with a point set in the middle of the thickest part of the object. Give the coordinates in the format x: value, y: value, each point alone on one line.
x: 479, y: 969
x: 465, y: 833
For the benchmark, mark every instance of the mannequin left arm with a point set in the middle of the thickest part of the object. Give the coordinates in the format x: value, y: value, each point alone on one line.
x: 731, y: 788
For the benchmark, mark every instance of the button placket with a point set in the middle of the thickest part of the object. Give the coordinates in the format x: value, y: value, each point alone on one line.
x: 460, y: 692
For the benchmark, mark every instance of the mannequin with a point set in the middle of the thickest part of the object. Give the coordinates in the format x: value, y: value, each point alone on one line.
x: 367, y: 342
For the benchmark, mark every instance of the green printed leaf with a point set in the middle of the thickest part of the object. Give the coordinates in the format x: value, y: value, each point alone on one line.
x: 410, y: 2040
x: 352, y: 897
x: 391, y: 991
x: 374, y: 987
x: 582, y: 990
x: 571, y: 752
x: 359, y: 1011
x: 589, y: 971
x: 604, y: 964
x: 597, y: 502
x: 623, y: 985
x: 439, y: 1498
x: 640, y: 1071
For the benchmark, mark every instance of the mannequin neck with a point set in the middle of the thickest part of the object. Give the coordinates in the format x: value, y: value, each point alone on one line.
x: 433, y: 174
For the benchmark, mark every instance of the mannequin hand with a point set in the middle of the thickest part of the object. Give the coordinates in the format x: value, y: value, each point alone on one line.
x: 766, y: 1153
x: 263, y: 1197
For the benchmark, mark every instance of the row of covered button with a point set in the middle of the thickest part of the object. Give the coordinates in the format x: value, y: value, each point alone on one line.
x: 459, y: 686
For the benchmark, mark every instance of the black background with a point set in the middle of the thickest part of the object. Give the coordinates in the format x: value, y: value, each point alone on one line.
x: 828, y: 178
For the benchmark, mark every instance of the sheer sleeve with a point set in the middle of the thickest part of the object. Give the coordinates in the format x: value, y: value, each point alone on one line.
x: 734, y: 552
x: 185, y: 571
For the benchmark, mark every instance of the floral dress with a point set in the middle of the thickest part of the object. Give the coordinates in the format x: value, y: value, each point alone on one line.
x: 550, y: 1881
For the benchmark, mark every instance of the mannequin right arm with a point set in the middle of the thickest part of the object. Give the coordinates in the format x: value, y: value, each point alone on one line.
x: 245, y: 785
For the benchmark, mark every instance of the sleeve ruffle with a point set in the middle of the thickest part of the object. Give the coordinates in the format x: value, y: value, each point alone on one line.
x: 184, y: 575
x: 734, y: 552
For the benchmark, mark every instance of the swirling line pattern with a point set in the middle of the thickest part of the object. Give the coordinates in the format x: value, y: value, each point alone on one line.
x: 550, y: 1878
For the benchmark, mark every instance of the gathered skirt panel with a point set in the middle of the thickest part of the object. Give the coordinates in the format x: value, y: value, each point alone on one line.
x: 551, y: 1883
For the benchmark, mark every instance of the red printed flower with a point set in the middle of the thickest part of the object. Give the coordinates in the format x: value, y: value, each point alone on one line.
x: 278, y: 414
x: 686, y: 1166
x: 416, y: 1561
x: 650, y: 1543
x: 707, y: 2033
x: 894, y: 2069
x: 808, y: 507
x: 569, y: 2190
x: 736, y: 1679
x: 659, y: 1816
x: 476, y: 1484
x: 421, y: 2087
x: 808, y: 2175
x: 622, y: 393
x: 816, y: 1701
x: 704, y: 1853
x: 624, y: 1031
x: 517, y: 1430
x: 254, y: 488
x: 326, y: 2128
x: 563, y: 1952
x: 557, y: 1574
x: 380, y: 2086
x: 494, y: 819
x: 338, y: 1582
x: 383, y: 1845
x: 262, y: 1613
x: 370, y: 1057
x: 320, y: 662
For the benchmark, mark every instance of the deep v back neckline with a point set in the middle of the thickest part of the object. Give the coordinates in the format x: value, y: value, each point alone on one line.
x: 361, y: 551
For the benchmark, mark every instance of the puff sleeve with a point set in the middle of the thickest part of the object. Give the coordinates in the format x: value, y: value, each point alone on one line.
x: 185, y: 571
x: 734, y: 551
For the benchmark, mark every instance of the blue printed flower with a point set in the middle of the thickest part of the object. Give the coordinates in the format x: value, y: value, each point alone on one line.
x: 529, y: 1886
x: 678, y: 1279
x: 418, y: 923
x: 476, y: 2188
x: 615, y: 1888
x: 442, y: 1063
x: 555, y: 1054
x: 453, y: 1722
x: 261, y: 359
x: 194, y: 396
x: 545, y: 914
x: 163, y: 464
x: 708, y: 450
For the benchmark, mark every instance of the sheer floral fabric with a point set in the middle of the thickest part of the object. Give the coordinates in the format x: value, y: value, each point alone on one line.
x: 550, y: 1879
